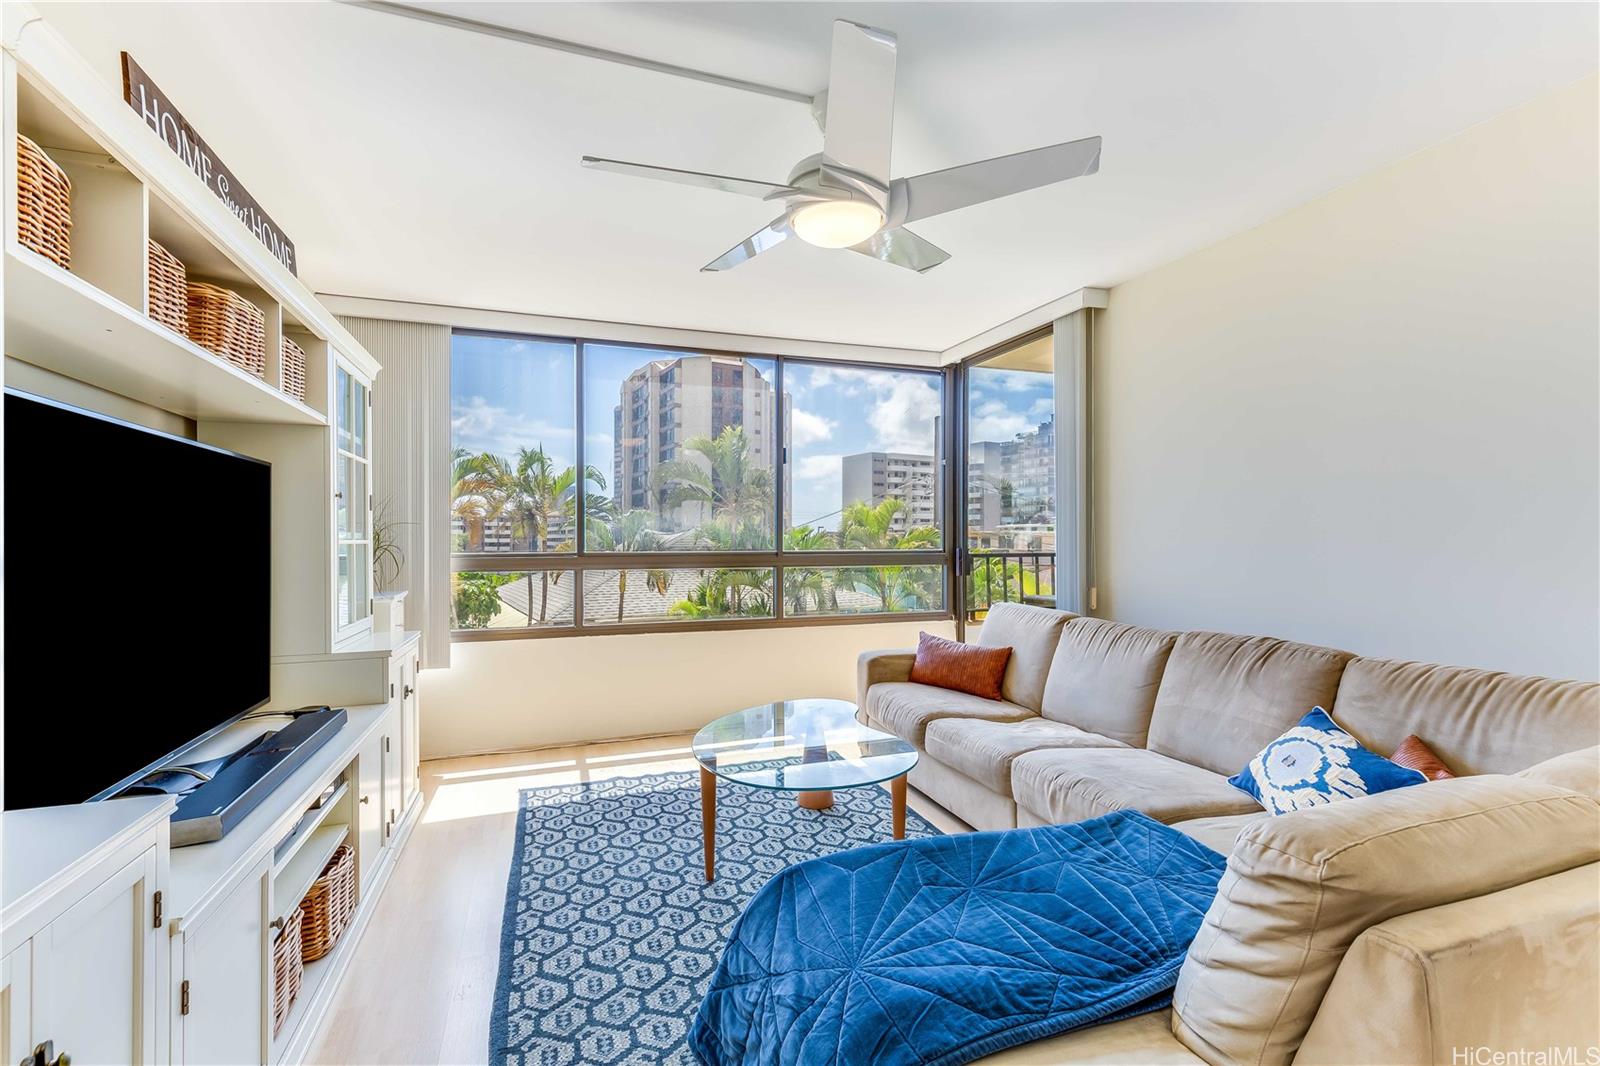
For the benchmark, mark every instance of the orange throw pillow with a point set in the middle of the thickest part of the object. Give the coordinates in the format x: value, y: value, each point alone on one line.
x: 1413, y: 754
x: 962, y: 667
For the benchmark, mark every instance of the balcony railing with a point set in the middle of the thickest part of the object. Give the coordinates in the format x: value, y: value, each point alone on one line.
x: 1009, y: 577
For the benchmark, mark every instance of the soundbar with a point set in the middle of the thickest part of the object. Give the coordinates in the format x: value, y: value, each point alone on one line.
x: 211, y: 809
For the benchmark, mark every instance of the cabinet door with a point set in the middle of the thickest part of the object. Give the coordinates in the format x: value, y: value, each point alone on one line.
x: 95, y: 990
x: 16, y: 980
x: 391, y: 778
x: 225, y: 964
x: 369, y: 806
x: 410, y: 733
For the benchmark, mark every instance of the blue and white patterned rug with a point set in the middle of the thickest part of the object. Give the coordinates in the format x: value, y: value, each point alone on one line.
x: 611, y: 933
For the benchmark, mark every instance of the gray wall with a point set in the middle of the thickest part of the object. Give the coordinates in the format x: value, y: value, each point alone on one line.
x: 1373, y: 422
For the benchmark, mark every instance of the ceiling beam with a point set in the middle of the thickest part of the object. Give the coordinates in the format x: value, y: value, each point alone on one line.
x: 556, y: 44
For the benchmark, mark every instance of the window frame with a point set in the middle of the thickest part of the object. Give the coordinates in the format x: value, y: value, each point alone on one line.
x: 580, y: 560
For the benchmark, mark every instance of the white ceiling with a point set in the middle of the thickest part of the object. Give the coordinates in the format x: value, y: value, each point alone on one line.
x: 415, y: 162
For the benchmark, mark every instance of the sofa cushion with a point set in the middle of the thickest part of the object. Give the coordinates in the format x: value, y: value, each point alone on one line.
x: 1031, y: 633
x: 1316, y: 762
x: 1219, y: 833
x: 1414, y: 754
x: 961, y: 667
x: 905, y: 708
x: 984, y: 750
x: 1518, y: 968
x: 1477, y: 721
x: 1104, y: 677
x: 1300, y: 888
x: 1075, y: 784
x: 1224, y: 697
x: 1577, y: 770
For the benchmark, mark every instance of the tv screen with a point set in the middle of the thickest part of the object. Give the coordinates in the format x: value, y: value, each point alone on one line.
x: 137, y: 592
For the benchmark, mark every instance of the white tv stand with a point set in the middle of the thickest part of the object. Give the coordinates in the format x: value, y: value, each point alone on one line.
x: 197, y: 984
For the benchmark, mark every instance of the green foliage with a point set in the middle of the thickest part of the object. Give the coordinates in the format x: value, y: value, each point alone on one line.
x: 474, y: 601
x: 998, y: 580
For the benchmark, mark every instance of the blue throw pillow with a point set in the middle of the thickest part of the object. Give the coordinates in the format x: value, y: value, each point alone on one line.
x: 1317, y: 762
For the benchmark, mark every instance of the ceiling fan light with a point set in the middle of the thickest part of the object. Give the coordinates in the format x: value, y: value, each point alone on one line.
x: 837, y: 223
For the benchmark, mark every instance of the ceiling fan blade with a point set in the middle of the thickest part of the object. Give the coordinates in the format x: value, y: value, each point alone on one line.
x: 742, y: 186
x: 860, y: 122
x: 775, y: 234
x: 902, y: 248
x: 935, y: 193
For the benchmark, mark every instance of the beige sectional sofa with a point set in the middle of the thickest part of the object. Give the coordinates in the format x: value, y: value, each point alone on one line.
x: 1403, y: 927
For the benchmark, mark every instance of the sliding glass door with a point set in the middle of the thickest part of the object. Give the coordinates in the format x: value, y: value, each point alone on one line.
x: 1008, y: 497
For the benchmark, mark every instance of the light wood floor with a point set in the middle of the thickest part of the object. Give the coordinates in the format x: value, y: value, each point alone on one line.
x: 421, y: 982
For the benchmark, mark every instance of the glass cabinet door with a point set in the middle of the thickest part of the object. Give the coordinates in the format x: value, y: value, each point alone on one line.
x: 352, y: 502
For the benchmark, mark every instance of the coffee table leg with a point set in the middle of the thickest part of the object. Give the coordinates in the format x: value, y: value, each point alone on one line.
x: 815, y: 801
x: 897, y: 799
x: 708, y: 820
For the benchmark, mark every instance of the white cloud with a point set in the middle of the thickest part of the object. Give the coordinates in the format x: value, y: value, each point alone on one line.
x: 993, y: 421
x: 480, y: 426
x: 1043, y: 407
x: 818, y: 467
x: 902, y: 416
x: 807, y: 428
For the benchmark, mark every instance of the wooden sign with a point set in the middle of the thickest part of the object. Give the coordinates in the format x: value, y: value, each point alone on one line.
x: 159, y: 114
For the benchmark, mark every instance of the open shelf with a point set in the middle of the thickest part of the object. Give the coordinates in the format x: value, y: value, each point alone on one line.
x: 58, y: 321
x: 294, y: 878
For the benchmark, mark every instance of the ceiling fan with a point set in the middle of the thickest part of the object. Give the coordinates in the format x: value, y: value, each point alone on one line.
x: 843, y: 197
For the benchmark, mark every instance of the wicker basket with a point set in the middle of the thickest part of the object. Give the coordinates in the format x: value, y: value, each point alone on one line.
x: 287, y: 969
x: 222, y: 321
x: 326, y: 910
x: 44, y: 204
x: 294, y: 370
x: 168, y: 290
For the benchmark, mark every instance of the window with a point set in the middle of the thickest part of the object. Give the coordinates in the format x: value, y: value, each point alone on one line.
x: 352, y: 491
x: 693, y: 465
x: 513, y: 437
x: 688, y: 459
x: 866, y: 459
x: 1011, y: 476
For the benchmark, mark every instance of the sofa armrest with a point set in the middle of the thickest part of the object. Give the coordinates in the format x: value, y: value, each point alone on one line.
x: 878, y: 667
x: 1514, y: 969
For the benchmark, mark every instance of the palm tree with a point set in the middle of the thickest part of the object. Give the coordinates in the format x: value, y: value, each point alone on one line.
x: 722, y: 478
x: 630, y: 532
x: 721, y: 593
x: 540, y: 499
x: 802, y: 582
x: 867, y: 527
x: 473, y: 495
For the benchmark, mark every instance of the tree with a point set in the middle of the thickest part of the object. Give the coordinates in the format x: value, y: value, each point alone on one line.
x: 539, y: 499
x: 867, y: 527
x: 629, y: 532
x: 474, y: 601
x: 722, y: 593
x: 802, y: 583
x: 473, y: 495
x: 722, y: 478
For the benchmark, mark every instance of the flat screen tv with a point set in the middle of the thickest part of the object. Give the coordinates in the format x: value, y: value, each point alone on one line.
x: 137, y: 589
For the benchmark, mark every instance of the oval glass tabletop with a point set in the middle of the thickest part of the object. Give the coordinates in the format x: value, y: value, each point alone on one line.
x: 810, y: 745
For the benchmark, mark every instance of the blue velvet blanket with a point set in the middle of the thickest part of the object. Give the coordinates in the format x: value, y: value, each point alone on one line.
x: 943, y: 950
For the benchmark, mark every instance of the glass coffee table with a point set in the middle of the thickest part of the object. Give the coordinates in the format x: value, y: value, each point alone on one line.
x: 810, y: 747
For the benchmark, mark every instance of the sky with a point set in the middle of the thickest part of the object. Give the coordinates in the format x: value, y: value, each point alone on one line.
x: 508, y: 393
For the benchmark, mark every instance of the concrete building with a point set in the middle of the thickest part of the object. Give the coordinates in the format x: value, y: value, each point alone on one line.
x: 915, y: 480
x: 667, y: 402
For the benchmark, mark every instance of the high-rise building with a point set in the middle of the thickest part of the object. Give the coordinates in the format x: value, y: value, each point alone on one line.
x: 873, y: 477
x: 667, y: 402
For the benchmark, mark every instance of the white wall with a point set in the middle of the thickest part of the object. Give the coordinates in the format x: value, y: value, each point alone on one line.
x: 1373, y: 422
x: 509, y: 694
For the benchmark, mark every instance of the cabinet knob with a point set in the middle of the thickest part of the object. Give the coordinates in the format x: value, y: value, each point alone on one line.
x: 408, y: 691
x: 277, y: 923
x: 366, y: 799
